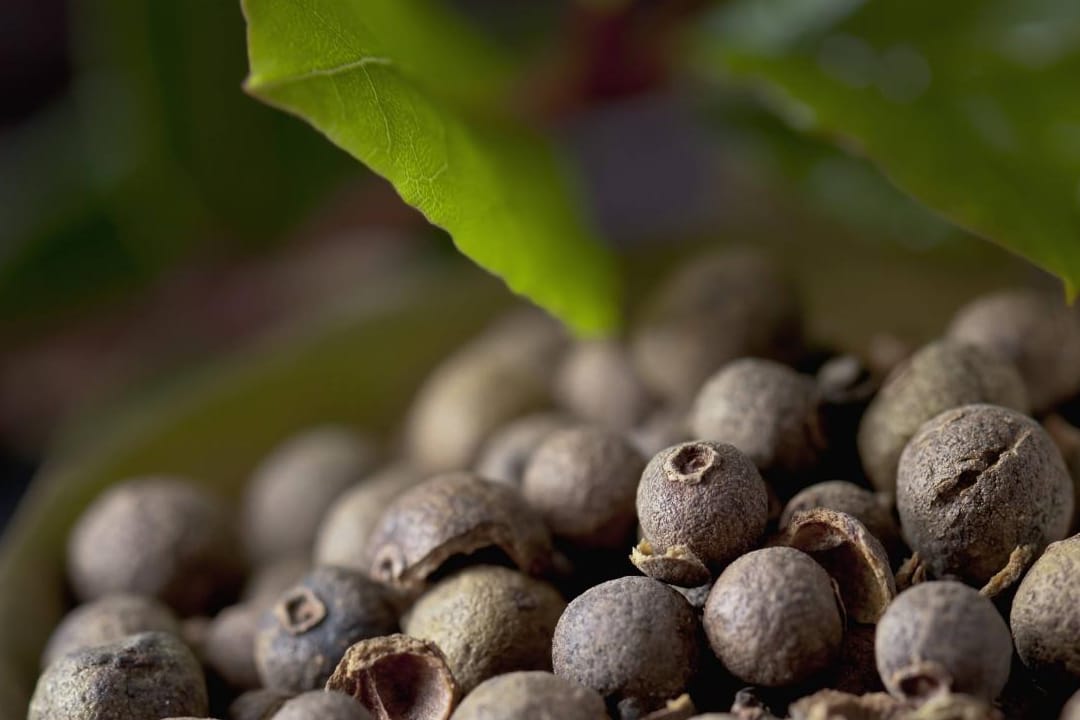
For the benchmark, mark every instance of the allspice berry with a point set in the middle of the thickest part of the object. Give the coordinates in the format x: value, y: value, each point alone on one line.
x: 158, y: 536
x: 322, y: 705
x: 942, y: 375
x: 1035, y: 331
x: 583, y: 482
x: 713, y: 309
x: 942, y: 636
x: 229, y: 645
x: 455, y: 514
x: 506, y: 453
x: 348, y: 523
x: 597, y: 383
x: 701, y: 499
x: 661, y: 429
x: 981, y: 490
x: 108, y: 620
x: 142, y: 676
x: 293, y: 487
x: 773, y: 618
x: 767, y: 410
x: 261, y: 704
x: 531, y: 696
x: 1045, y: 616
x: 301, y: 639
x: 872, y: 509
x: 632, y: 637
x: 397, y: 677
x: 488, y: 620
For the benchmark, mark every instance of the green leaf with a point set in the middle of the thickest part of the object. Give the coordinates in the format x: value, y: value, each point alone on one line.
x: 403, y: 87
x: 971, y: 106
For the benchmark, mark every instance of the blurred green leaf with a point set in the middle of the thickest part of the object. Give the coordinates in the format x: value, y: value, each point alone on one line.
x: 410, y: 91
x: 971, y: 106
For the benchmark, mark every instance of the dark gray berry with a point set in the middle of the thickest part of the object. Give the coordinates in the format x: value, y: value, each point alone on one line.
x: 531, y: 696
x: 702, y: 499
x: 488, y: 621
x: 108, y: 620
x: 943, y: 636
x: 506, y: 453
x: 160, y: 537
x: 583, y: 482
x: 940, y: 376
x: 229, y: 645
x: 715, y: 308
x: 773, y: 618
x: 322, y: 705
x: 597, y: 382
x: 872, y: 509
x: 455, y: 514
x: 150, y: 675
x: 1045, y: 616
x: 767, y: 410
x: 1034, y: 331
x: 397, y: 677
x: 345, y: 529
x: 301, y: 639
x: 632, y: 637
x: 296, y: 483
x: 981, y: 490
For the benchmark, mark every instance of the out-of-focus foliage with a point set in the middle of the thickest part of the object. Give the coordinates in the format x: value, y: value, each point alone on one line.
x: 971, y: 106
x: 155, y: 153
x: 415, y: 95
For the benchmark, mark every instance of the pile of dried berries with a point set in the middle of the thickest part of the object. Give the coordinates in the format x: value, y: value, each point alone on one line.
x: 711, y: 520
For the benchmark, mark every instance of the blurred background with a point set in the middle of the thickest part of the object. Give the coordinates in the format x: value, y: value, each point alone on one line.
x: 154, y: 219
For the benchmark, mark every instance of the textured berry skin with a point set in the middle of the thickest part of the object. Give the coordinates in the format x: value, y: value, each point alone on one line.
x: 583, y: 482
x: 943, y: 634
x: 322, y: 705
x: 531, y: 696
x: 773, y: 619
x: 301, y: 639
x: 975, y: 484
x: 632, y: 637
x: 108, y: 620
x: 147, y: 675
x: 1045, y: 615
x: 703, y: 496
x: 767, y: 410
x: 942, y: 375
x: 870, y: 508
x: 506, y: 453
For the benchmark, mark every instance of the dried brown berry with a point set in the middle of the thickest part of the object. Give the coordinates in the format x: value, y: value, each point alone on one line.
x: 773, y: 618
x: 481, y: 387
x: 488, y: 621
x: 296, y: 483
x: 977, y: 484
x: 703, y: 500
x: 1045, y: 616
x: 397, y: 677
x: 259, y: 704
x: 1033, y: 330
x: 147, y: 675
x: 345, y: 529
x: 854, y: 558
x: 108, y: 620
x: 939, y: 376
x: 597, y: 382
x: 322, y: 705
x: 583, y: 481
x: 871, y: 509
x: 507, y: 452
x: 632, y: 637
x: 942, y: 636
x: 159, y: 537
x: 301, y: 639
x: 229, y: 645
x: 455, y: 514
x: 767, y: 410
x: 531, y: 696
x: 715, y: 308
